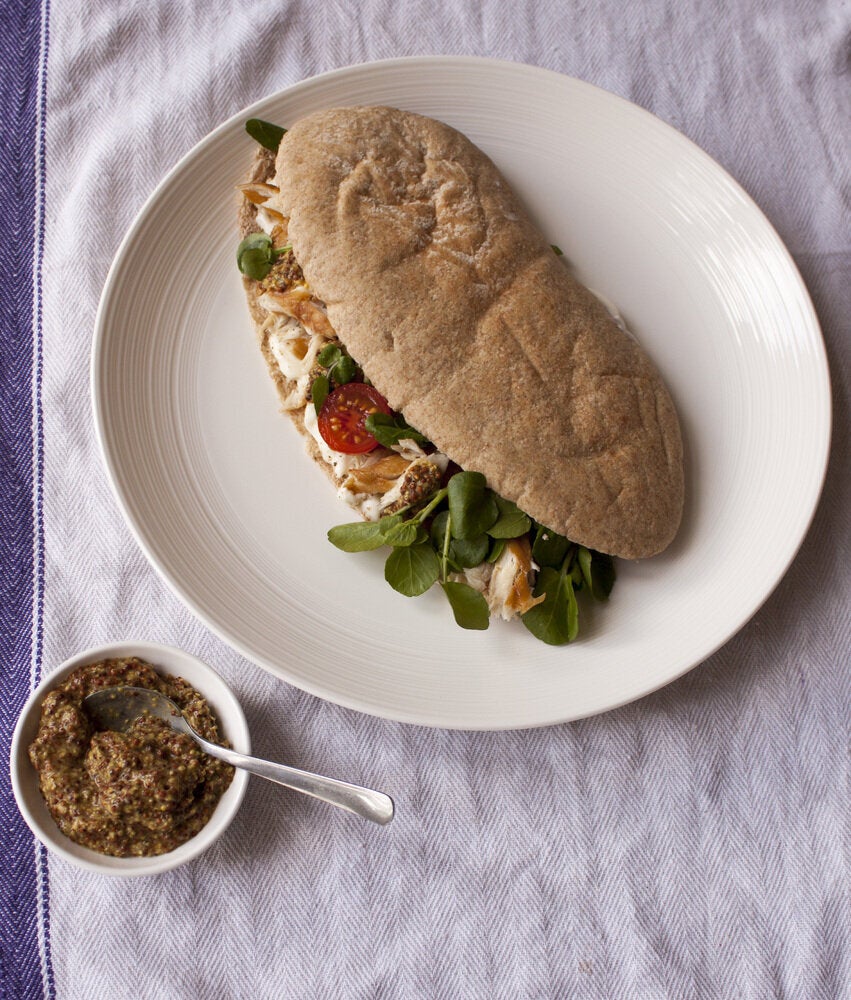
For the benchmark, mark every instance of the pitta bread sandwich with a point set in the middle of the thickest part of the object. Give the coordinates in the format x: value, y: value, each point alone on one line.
x: 390, y: 241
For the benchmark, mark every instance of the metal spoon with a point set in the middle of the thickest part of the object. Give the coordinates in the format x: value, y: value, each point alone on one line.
x: 119, y: 707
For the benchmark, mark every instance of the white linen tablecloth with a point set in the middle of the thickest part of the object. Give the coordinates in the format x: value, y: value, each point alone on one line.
x: 694, y: 844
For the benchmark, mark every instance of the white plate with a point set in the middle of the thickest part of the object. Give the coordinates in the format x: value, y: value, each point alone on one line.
x: 216, y: 487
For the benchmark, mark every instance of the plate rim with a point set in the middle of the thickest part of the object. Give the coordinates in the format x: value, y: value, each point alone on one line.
x: 475, y: 63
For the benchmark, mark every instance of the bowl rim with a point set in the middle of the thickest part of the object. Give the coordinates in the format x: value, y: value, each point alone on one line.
x: 168, y: 660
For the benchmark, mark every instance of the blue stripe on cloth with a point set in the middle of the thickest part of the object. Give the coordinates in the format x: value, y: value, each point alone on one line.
x: 25, y: 965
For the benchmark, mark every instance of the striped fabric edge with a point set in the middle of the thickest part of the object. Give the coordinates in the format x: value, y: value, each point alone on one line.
x: 26, y: 968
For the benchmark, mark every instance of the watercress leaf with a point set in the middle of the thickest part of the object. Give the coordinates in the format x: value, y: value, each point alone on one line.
x: 412, y: 570
x: 549, y: 548
x: 253, y: 241
x: 602, y: 575
x: 388, y: 436
x: 469, y: 552
x: 511, y: 523
x: 438, y: 529
x: 265, y: 133
x: 409, y: 433
x: 468, y: 606
x: 572, y: 608
x: 452, y: 566
x: 255, y: 264
x: 496, y: 549
x: 549, y: 621
x: 557, y: 250
x: 388, y: 429
x: 329, y: 355
x: 380, y: 421
x: 401, y: 533
x: 319, y: 391
x: 471, y: 504
x: 583, y: 559
x: 361, y: 536
x: 254, y: 256
x: 422, y: 535
x: 345, y: 370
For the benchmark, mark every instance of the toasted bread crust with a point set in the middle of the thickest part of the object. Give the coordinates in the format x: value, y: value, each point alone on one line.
x: 458, y: 311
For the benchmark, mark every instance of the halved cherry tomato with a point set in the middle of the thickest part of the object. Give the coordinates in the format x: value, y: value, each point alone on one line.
x: 342, y: 416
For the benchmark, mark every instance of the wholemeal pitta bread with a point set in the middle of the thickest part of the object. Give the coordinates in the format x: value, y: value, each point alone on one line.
x: 459, y: 312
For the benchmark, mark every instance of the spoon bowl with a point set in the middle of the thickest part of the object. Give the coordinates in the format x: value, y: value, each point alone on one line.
x: 119, y: 707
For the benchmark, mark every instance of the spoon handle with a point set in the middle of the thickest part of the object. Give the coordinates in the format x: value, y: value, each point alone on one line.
x: 365, y: 802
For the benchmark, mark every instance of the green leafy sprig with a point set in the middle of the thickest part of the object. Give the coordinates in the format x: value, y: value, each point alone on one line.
x: 565, y: 569
x: 265, y: 133
x: 389, y: 429
x: 340, y: 369
x: 465, y: 524
x: 255, y: 255
x: 556, y: 620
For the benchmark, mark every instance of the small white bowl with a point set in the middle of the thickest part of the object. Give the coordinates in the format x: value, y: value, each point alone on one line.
x: 167, y: 660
